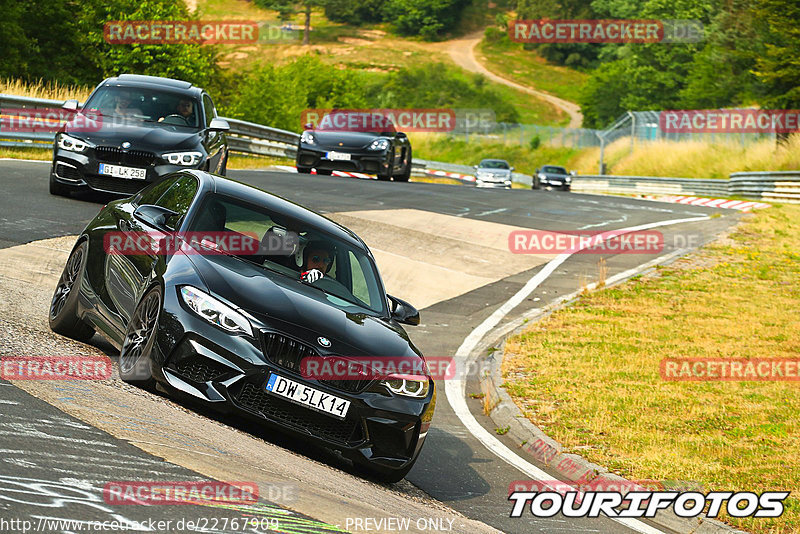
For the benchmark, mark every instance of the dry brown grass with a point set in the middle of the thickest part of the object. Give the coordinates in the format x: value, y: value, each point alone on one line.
x: 691, y: 159
x: 42, y: 89
x: 589, y: 374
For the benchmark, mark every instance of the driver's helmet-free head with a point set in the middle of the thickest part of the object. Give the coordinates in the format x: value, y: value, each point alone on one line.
x: 185, y: 107
x: 315, y: 254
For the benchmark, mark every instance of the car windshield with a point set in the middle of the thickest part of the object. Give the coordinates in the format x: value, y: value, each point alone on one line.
x: 351, y: 121
x: 146, y: 105
x: 554, y: 170
x: 289, y: 247
x: 494, y: 164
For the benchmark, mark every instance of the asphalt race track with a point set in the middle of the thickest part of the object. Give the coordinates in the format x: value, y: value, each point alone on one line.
x: 458, y: 293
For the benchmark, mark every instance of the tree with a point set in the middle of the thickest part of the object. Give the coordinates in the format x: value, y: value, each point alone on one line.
x: 287, y: 8
x: 778, y: 68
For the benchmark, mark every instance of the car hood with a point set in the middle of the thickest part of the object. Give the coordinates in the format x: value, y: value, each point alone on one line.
x: 555, y: 175
x: 496, y: 173
x: 141, y: 136
x: 336, y: 140
x: 278, y: 300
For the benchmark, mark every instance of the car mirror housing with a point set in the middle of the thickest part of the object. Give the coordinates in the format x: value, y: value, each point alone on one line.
x: 70, y: 105
x: 155, y: 216
x: 218, y: 124
x: 403, y: 312
x: 512, y: 169
x: 572, y: 173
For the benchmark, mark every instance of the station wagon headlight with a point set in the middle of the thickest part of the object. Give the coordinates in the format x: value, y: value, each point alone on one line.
x: 379, y: 144
x: 215, y: 312
x: 307, y: 138
x: 67, y: 142
x: 183, y: 158
x: 408, y: 387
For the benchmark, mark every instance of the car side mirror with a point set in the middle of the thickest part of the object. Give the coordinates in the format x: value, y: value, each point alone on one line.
x: 308, y: 126
x: 512, y: 169
x: 572, y: 173
x: 70, y: 105
x: 219, y: 125
x: 537, y: 171
x: 403, y: 312
x: 155, y: 216
x: 401, y: 135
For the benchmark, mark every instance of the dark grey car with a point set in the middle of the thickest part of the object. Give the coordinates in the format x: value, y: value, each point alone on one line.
x: 552, y: 176
x: 144, y: 128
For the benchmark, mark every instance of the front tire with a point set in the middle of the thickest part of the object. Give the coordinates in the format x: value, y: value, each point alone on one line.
x: 388, y: 476
x: 58, y: 189
x: 140, y: 341
x: 406, y: 172
x: 63, y: 316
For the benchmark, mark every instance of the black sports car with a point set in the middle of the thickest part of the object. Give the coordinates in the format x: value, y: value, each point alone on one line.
x: 132, y: 131
x: 233, y: 329
x: 551, y: 176
x: 356, y: 142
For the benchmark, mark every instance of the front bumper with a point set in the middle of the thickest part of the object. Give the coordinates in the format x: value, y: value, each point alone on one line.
x: 369, y: 162
x: 494, y: 184
x: 555, y: 183
x: 81, y: 170
x: 229, y: 373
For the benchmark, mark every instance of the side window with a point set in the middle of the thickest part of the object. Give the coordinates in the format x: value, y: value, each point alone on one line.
x: 179, y: 196
x: 152, y: 193
x: 360, y: 290
x: 208, y: 107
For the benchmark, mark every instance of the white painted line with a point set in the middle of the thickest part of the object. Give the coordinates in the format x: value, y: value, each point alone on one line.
x: 455, y: 389
x: 12, y: 403
x: 29, y: 160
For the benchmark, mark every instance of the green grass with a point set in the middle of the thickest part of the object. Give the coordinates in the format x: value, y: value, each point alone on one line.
x: 589, y: 374
x: 455, y: 150
x: 525, y: 67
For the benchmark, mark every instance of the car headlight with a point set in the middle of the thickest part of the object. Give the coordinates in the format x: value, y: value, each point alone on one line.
x: 379, y: 144
x: 508, y: 182
x: 568, y: 179
x: 408, y: 387
x: 215, y: 312
x: 72, y: 144
x: 184, y: 158
x: 308, y: 138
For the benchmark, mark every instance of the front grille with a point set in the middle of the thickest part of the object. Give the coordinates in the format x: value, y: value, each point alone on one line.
x: 67, y: 172
x: 200, y: 369
x: 317, y: 424
x: 115, y: 185
x: 285, y: 352
x: 289, y: 353
x: 136, y: 158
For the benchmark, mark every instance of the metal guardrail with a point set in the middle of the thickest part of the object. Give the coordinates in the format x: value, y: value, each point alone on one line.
x: 650, y: 185
x: 251, y: 138
x: 782, y: 186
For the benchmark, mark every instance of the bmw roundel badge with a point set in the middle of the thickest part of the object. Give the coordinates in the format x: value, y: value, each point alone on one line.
x: 126, y: 145
x: 324, y: 341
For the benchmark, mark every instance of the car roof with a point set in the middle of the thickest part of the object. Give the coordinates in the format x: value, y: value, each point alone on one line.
x: 139, y: 80
x: 226, y: 186
x: 492, y: 159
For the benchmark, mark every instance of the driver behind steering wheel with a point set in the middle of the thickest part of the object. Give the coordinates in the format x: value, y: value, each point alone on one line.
x: 318, y: 258
x: 185, y: 110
